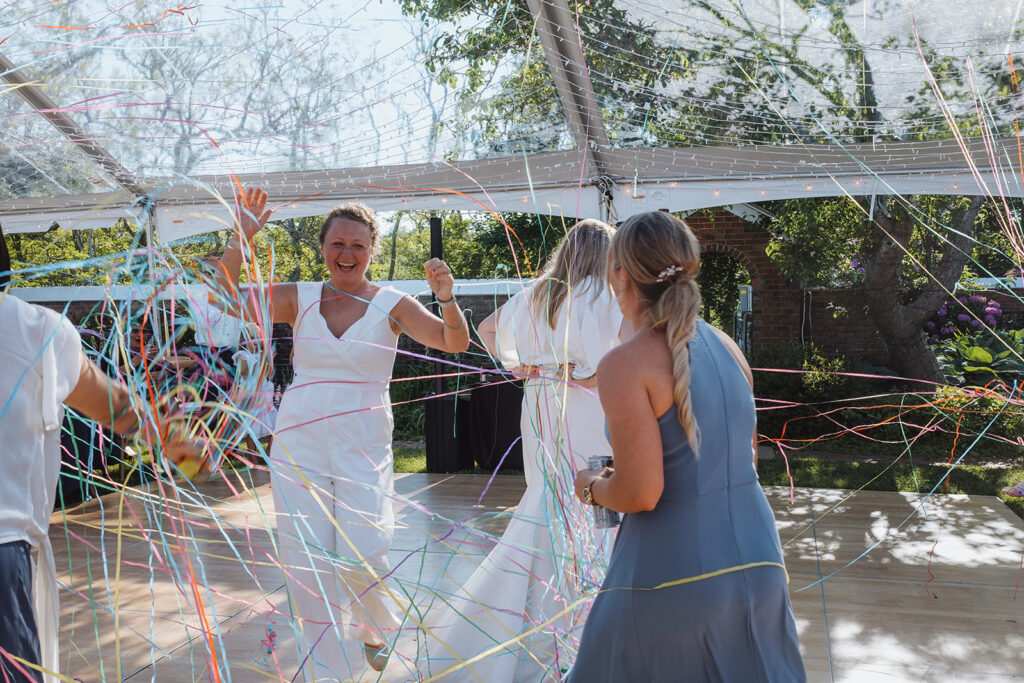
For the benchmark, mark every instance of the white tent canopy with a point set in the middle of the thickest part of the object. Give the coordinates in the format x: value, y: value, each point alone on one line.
x: 109, y: 114
x: 558, y: 183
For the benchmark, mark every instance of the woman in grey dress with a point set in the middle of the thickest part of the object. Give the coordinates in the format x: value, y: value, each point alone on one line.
x: 696, y: 588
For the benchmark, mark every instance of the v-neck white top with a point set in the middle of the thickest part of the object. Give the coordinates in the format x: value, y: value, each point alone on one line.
x: 334, y: 424
x: 361, y: 359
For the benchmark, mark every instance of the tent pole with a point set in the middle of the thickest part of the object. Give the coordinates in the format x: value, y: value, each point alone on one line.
x: 160, y: 331
x: 49, y: 110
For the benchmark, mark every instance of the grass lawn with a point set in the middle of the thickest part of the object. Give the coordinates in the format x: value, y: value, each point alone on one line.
x: 410, y: 459
x: 844, y: 474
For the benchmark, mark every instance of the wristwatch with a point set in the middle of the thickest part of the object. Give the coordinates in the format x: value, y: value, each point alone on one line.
x: 588, y: 495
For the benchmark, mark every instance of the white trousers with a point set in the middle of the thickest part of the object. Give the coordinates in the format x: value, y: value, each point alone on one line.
x: 333, y: 556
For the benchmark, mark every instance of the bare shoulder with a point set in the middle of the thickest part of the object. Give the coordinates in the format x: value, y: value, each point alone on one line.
x: 642, y: 356
x: 286, y: 290
x: 635, y: 378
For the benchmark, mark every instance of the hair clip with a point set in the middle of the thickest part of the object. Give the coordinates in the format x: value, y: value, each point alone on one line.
x: 668, y: 272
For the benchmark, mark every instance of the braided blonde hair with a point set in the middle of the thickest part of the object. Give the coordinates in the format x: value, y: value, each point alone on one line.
x: 661, y: 256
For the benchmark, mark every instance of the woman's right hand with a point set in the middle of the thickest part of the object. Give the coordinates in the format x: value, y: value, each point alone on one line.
x: 179, y: 447
x: 251, y: 212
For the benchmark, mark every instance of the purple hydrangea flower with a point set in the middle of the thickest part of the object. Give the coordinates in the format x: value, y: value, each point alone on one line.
x: 991, y: 310
x: 990, y: 320
x: 942, y: 311
x: 975, y: 323
x: 948, y: 330
x: 930, y: 325
x: 963, y: 317
x: 975, y: 298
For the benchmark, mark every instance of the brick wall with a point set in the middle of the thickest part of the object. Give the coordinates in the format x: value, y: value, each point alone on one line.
x: 837, y: 322
x: 776, y: 301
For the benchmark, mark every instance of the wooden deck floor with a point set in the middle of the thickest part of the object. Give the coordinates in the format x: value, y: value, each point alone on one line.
x: 936, y: 599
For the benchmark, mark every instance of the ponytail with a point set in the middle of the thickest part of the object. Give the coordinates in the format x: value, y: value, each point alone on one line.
x: 676, y: 312
x: 661, y: 257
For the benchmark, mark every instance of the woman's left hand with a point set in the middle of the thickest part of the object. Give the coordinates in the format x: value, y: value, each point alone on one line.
x: 584, y: 477
x: 439, y: 277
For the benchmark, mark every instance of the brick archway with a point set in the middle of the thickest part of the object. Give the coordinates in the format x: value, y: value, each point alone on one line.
x: 736, y: 255
x: 776, y: 302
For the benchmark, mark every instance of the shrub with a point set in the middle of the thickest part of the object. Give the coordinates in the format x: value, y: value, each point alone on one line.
x: 822, y: 378
x: 964, y: 315
x: 978, y: 359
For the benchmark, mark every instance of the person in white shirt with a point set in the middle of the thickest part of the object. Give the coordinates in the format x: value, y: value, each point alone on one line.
x: 44, y: 368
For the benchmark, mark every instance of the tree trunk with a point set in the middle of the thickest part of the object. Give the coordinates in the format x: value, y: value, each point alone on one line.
x: 901, y: 325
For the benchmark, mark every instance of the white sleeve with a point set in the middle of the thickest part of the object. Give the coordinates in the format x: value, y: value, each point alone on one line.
x: 61, y: 365
x: 68, y: 357
x: 598, y: 319
x: 508, y: 329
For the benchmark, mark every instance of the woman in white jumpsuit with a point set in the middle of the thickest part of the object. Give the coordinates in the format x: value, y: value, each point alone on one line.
x: 517, y: 618
x: 331, y: 461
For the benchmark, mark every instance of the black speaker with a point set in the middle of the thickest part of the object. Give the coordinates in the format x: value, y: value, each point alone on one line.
x: 493, y: 435
x: 446, y: 425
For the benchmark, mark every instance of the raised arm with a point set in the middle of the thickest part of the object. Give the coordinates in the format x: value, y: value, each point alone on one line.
x: 251, y: 213
x: 109, y: 402
x: 448, y: 333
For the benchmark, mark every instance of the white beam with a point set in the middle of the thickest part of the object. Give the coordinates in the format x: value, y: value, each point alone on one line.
x: 49, y: 110
x: 560, y: 38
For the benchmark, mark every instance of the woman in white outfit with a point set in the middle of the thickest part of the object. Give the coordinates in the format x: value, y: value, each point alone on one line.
x: 44, y: 368
x: 516, y: 617
x: 331, y: 461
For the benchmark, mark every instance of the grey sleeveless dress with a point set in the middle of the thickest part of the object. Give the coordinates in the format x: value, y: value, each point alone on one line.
x: 725, y: 613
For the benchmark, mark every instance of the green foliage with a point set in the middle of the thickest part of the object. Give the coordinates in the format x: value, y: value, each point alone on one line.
x: 820, y: 377
x: 973, y: 413
x: 520, y: 109
x: 964, y: 315
x: 836, y: 412
x: 476, y: 245
x: 717, y: 81
x: 719, y: 280
x: 409, y: 386
x: 816, y: 240
x: 102, y: 250
x: 978, y: 359
x: 823, y: 242
x: 821, y: 394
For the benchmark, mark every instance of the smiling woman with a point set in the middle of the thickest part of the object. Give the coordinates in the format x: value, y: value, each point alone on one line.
x: 331, y: 462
